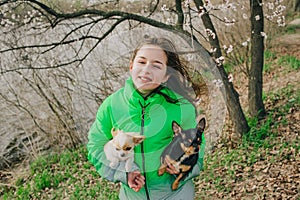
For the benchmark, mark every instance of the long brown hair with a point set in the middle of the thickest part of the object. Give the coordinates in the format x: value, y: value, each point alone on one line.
x: 179, y: 79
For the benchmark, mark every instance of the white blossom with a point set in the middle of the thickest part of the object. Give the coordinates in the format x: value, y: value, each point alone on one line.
x: 257, y: 17
x: 213, y: 50
x: 230, y: 77
x: 281, y: 21
x: 277, y: 2
x: 228, y: 21
x: 189, y: 57
x: 245, y: 16
x: 210, y: 33
x: 263, y: 34
x: 280, y: 8
x: 164, y: 8
x: 271, y: 6
x: 201, y: 11
x: 245, y: 44
x: 220, y: 60
x: 186, y: 3
x: 229, y: 49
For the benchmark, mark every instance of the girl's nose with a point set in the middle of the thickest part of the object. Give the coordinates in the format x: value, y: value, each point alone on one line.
x: 147, y: 67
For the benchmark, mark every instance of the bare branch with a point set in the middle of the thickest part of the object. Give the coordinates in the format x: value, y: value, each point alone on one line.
x: 50, y: 45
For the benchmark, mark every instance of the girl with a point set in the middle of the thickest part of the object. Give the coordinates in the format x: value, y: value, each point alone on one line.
x: 154, y: 96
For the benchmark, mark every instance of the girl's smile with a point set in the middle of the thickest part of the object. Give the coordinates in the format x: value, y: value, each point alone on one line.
x: 144, y: 79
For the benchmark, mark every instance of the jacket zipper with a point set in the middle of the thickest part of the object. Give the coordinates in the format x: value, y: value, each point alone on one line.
x: 142, y: 149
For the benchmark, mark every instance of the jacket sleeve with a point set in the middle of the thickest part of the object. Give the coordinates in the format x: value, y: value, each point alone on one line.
x: 99, y: 135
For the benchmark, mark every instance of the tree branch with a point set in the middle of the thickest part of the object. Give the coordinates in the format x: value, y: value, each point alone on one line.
x: 180, y: 15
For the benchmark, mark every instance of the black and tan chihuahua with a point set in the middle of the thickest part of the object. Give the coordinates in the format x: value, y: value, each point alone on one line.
x: 183, y: 150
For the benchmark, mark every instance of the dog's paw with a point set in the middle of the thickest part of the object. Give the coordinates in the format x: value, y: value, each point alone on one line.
x: 175, y: 185
x: 113, y: 165
x: 161, y: 170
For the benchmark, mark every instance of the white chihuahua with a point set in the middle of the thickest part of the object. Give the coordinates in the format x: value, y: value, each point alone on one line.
x: 120, y: 148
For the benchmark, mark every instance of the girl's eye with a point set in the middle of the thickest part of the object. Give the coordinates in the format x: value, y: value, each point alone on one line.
x: 157, y: 66
x: 141, y: 62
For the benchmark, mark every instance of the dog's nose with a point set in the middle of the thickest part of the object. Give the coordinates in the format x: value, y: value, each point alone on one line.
x: 122, y: 154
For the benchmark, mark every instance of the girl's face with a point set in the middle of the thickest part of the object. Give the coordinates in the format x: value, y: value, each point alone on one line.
x: 148, y: 69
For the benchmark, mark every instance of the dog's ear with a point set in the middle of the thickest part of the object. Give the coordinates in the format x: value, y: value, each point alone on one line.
x: 176, y: 128
x: 138, y: 139
x: 114, y: 132
x: 201, y: 125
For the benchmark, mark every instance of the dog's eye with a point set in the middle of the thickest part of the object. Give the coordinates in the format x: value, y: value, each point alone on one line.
x: 128, y: 148
x: 118, y: 149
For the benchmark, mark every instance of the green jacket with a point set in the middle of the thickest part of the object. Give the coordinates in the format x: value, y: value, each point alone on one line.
x: 127, y: 110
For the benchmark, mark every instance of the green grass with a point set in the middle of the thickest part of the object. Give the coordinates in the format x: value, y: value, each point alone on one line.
x: 60, y: 176
x: 228, y: 167
x: 292, y: 29
x: 269, y: 56
x: 70, y: 176
x: 229, y: 68
x: 290, y: 61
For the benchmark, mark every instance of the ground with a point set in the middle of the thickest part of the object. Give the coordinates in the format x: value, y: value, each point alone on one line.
x: 269, y: 170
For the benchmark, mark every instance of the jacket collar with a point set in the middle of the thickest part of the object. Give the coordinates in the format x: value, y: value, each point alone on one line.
x: 134, y: 97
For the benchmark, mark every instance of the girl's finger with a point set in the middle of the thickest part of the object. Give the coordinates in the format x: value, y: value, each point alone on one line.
x: 140, y: 182
x: 133, y: 186
x: 141, y: 178
x: 172, y: 170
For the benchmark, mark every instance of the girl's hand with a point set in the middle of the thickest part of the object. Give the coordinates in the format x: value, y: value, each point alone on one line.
x: 170, y: 168
x: 135, y: 180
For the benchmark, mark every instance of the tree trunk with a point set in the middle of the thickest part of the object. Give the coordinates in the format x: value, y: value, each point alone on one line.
x: 297, y: 6
x: 233, y: 105
x: 256, y: 105
x: 232, y: 97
